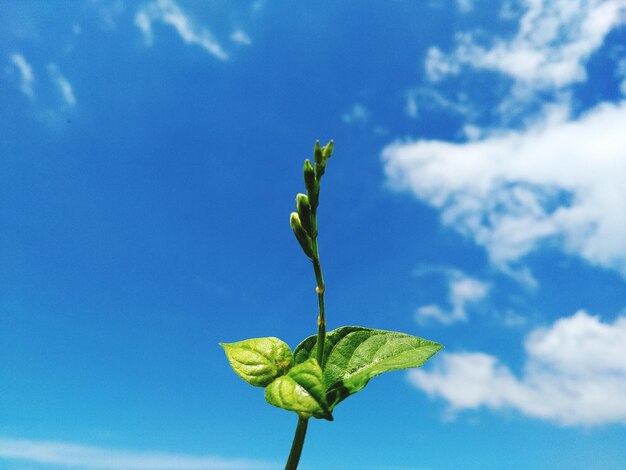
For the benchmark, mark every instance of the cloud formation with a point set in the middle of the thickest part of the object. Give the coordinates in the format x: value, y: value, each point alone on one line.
x: 558, y: 184
x: 169, y: 13
x: 465, y: 6
x: 574, y: 374
x: 427, y: 99
x: 463, y: 291
x: 27, y: 77
x: 49, y: 108
x: 554, y: 40
x: 240, y: 37
x: 539, y: 64
x: 62, y: 83
x: 357, y: 115
x: 108, y: 12
x: 79, y: 456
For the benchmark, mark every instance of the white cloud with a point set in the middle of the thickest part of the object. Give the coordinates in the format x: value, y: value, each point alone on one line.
x: 43, y: 107
x: 558, y: 184
x: 463, y: 291
x: 511, y: 319
x: 168, y: 12
x: 63, y: 85
x: 357, y: 115
x: 575, y: 374
x: 438, y: 65
x: 108, y: 11
x: 87, y: 457
x: 554, y: 40
x: 419, y: 99
x: 465, y: 6
x: 240, y: 37
x: 472, y: 132
x: 27, y: 77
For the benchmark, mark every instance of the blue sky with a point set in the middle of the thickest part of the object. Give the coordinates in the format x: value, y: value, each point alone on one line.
x: 150, y: 156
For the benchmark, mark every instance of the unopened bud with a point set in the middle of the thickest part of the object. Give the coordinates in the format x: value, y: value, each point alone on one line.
x: 304, y: 211
x: 322, y: 154
x: 327, y: 150
x: 311, y: 183
x: 301, y: 235
x: 317, y: 153
x: 309, y: 175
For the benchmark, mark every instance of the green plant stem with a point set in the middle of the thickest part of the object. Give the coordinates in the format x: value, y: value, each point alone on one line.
x: 298, y: 442
x: 298, y: 438
x: 317, y: 267
x: 321, y: 319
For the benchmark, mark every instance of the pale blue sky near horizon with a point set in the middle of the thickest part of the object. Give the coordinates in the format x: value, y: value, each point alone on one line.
x: 150, y: 155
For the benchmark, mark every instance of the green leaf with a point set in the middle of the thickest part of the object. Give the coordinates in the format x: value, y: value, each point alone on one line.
x: 353, y: 355
x: 258, y: 361
x: 301, y: 390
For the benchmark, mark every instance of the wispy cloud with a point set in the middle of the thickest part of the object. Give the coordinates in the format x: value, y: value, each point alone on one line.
x: 108, y: 11
x: 465, y: 6
x: 463, y: 291
x: 553, y: 181
x: 49, y: 108
x: 27, y: 77
x: 239, y: 36
x: 539, y: 64
x: 438, y: 65
x: 554, y: 39
x: 575, y: 374
x: 168, y: 12
x: 63, y: 84
x: 558, y: 184
x: 357, y: 115
x: 423, y: 99
x: 87, y: 457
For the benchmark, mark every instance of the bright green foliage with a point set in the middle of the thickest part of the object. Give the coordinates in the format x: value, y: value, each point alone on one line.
x: 259, y: 361
x: 353, y: 355
x: 312, y: 382
x: 301, y: 390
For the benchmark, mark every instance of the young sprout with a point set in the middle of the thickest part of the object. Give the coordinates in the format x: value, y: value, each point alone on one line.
x: 311, y: 381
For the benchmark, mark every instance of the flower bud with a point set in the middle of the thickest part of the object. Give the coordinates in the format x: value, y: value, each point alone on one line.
x: 309, y: 175
x: 322, y: 154
x: 311, y: 183
x: 318, y: 154
x: 327, y: 150
x: 301, y: 235
x: 304, y: 211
